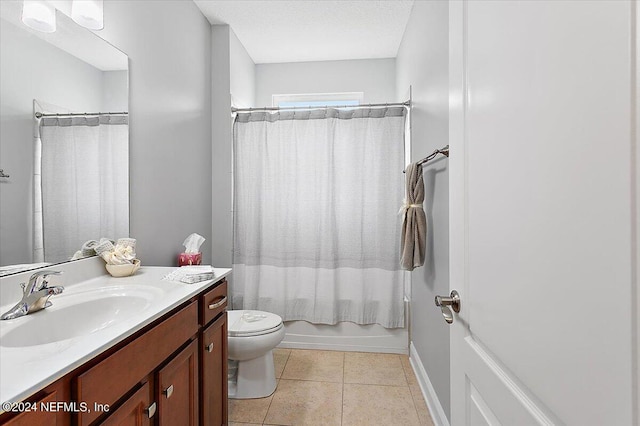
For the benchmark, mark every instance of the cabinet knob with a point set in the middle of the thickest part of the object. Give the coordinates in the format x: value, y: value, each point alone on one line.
x: 210, y: 347
x: 168, y: 392
x: 151, y: 410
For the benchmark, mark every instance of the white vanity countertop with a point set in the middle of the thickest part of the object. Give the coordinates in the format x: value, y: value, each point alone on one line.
x: 25, y: 370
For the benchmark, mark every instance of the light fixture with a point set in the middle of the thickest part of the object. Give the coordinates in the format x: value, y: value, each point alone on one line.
x: 39, y: 15
x: 88, y: 13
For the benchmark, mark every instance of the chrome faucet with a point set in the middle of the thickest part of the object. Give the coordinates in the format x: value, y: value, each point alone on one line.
x: 35, y: 295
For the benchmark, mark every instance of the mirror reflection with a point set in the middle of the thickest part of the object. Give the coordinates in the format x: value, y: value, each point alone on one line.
x: 64, y: 137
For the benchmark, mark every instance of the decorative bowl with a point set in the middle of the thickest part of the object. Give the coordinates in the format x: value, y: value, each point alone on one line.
x: 125, y: 270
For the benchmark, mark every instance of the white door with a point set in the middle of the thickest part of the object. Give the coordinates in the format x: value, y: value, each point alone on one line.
x: 544, y: 219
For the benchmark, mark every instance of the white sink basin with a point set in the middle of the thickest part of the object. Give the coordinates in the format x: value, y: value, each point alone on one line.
x: 77, y: 315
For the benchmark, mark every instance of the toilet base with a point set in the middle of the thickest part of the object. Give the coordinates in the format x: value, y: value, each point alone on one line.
x: 256, y: 378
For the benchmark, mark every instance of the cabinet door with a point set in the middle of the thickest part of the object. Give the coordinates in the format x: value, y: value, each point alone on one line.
x: 136, y: 411
x: 213, y: 347
x: 39, y: 417
x: 178, y: 389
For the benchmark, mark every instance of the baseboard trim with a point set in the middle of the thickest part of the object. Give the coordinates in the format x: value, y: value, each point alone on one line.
x: 346, y: 336
x: 340, y: 347
x: 429, y: 393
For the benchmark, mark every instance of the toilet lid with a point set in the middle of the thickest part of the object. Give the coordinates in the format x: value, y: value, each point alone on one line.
x: 246, y: 322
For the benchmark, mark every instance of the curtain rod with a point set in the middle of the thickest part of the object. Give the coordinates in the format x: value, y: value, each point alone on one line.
x: 444, y: 151
x: 75, y: 114
x: 405, y: 104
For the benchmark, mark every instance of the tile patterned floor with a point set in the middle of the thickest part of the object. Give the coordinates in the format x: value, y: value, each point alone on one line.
x: 337, y: 388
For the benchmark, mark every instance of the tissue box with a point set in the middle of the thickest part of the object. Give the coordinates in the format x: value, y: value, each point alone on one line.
x: 189, y: 259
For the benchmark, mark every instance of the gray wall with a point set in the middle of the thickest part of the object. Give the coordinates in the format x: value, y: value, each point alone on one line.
x: 374, y: 77
x: 221, y: 220
x: 169, y: 48
x: 422, y: 62
x: 233, y: 77
x: 68, y: 82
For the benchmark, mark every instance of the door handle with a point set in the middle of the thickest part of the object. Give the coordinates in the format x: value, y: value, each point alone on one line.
x: 209, y: 347
x: 445, y: 302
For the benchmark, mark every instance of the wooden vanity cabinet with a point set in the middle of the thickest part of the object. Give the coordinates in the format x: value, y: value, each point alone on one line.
x: 112, y: 378
x: 172, y: 372
x: 213, y: 374
x: 39, y: 417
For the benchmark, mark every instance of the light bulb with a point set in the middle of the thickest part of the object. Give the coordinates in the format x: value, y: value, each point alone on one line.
x: 39, y: 15
x: 88, y: 13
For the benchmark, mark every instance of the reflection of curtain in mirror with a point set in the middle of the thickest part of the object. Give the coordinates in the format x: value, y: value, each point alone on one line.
x: 85, y: 182
x: 38, y: 239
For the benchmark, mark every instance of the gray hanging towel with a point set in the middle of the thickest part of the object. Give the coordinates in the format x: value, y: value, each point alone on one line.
x: 414, y: 223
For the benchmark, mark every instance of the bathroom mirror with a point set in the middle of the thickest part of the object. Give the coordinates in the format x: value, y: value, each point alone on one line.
x: 65, y: 177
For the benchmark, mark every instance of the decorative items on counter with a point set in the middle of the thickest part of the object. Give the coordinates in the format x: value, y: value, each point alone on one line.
x: 191, y: 254
x: 120, y: 258
x: 187, y: 259
x: 191, y: 274
x: 124, y: 270
x: 88, y: 249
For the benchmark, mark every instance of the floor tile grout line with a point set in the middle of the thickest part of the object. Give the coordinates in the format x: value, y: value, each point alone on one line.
x: 266, y: 413
x: 413, y: 398
x: 415, y: 407
x: 344, y: 369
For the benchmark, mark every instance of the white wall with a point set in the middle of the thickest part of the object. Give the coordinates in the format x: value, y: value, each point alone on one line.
x: 374, y: 77
x: 169, y: 48
x: 233, y: 77
x: 422, y: 63
x: 115, y: 91
x: 32, y: 69
x: 242, y: 77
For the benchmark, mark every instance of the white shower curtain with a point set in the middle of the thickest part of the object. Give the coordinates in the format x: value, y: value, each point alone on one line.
x: 85, y: 182
x: 316, y: 225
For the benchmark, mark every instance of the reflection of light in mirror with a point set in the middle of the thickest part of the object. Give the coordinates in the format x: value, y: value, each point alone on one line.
x: 88, y: 13
x: 39, y: 15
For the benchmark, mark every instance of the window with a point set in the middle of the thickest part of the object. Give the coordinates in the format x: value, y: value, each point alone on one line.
x: 318, y: 99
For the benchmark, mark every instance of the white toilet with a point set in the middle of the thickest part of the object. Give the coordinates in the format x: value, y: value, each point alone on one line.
x: 252, y: 337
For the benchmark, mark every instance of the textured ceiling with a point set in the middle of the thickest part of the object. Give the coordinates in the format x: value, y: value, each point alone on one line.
x: 319, y: 30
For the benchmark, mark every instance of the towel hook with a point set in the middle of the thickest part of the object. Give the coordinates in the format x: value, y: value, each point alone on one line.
x: 3, y: 174
x: 444, y: 151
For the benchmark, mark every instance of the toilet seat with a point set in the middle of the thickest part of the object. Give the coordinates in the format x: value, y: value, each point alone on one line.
x: 247, y: 323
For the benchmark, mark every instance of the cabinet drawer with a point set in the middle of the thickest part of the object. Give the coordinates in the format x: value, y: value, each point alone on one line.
x: 214, y: 302
x: 113, y: 377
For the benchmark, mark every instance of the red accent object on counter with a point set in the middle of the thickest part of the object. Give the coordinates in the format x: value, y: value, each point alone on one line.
x: 185, y: 259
